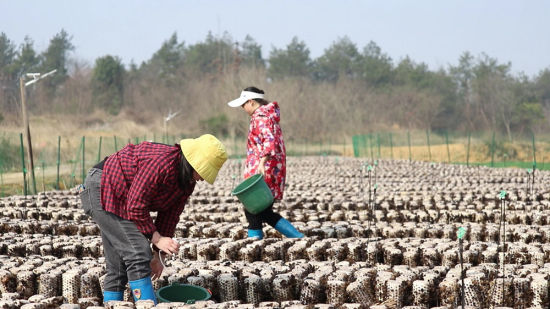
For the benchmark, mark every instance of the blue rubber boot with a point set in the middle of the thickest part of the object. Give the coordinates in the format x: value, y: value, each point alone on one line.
x: 142, y: 289
x: 111, y: 296
x: 256, y: 233
x: 286, y: 228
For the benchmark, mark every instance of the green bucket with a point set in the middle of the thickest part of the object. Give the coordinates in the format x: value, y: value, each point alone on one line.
x: 182, y: 293
x: 254, y: 193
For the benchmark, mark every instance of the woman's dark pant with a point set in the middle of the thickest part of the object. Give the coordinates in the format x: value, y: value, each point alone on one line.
x: 127, y: 251
x: 267, y: 216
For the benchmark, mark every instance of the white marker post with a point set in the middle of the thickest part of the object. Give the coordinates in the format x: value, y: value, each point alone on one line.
x: 166, y: 119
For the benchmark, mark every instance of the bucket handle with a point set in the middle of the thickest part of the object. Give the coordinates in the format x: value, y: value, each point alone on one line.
x: 191, y: 301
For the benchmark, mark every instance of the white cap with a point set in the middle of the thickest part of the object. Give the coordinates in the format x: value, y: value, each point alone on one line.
x: 245, y: 96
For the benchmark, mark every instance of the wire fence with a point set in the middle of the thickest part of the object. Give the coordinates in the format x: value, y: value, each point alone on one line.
x: 487, y: 149
x: 61, y: 163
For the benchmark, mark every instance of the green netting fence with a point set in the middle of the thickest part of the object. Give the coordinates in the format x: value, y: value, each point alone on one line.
x: 487, y: 149
x: 61, y: 162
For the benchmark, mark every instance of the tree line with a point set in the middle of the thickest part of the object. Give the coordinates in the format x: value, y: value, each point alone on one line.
x: 345, y: 91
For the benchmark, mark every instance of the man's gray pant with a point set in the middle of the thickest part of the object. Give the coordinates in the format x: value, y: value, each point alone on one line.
x: 127, y: 251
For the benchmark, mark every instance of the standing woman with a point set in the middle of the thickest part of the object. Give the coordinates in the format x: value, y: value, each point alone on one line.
x: 266, y: 155
x: 122, y: 190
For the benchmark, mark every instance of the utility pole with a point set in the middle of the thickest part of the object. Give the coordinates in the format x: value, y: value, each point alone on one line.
x: 36, y: 77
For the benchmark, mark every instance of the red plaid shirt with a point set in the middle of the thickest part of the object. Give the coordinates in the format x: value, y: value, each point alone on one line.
x: 142, y: 178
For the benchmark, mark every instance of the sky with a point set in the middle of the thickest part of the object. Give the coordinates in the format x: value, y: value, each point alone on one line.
x: 435, y: 32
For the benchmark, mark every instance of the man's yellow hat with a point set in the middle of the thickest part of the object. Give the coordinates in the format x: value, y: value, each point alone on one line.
x: 206, y: 154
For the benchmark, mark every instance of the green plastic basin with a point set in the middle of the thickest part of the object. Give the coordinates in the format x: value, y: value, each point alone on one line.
x: 184, y: 293
x: 254, y: 193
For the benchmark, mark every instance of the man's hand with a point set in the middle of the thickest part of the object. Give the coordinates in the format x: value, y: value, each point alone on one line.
x: 156, y: 266
x: 165, y: 244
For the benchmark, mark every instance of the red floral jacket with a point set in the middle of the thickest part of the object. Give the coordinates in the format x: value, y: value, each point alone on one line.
x: 265, y: 138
